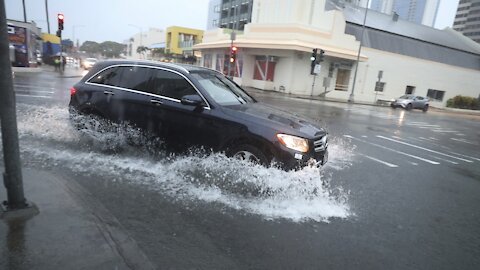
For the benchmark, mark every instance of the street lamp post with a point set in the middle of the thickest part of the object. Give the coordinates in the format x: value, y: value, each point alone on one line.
x: 73, y: 33
x: 46, y: 11
x: 351, y: 98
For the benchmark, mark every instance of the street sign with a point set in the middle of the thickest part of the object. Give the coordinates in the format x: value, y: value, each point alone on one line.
x: 317, y: 69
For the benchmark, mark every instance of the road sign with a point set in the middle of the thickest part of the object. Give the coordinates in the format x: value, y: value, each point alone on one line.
x: 317, y: 69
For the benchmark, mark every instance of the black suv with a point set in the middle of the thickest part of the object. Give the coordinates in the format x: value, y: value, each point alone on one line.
x: 193, y: 106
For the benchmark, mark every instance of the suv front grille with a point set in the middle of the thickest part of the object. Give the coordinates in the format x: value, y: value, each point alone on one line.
x: 320, y: 144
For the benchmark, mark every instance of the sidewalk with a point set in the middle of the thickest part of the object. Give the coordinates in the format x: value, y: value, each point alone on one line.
x: 72, y: 231
x: 318, y: 98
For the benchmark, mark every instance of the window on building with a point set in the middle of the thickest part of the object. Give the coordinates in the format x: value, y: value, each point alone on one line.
x: 216, y: 8
x: 207, y: 60
x: 435, y: 94
x: 410, y: 90
x: 220, y: 64
x: 264, y: 68
x: 343, y: 79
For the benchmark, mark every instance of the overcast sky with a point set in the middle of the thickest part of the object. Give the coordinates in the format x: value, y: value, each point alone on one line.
x: 101, y: 20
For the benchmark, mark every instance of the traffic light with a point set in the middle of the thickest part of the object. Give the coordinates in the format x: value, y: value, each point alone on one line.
x: 314, y: 55
x: 321, y: 56
x: 314, y: 61
x: 233, y: 54
x: 59, y: 33
x: 60, y: 18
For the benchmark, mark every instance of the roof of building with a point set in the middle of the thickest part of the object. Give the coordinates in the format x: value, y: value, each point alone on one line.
x: 382, y: 32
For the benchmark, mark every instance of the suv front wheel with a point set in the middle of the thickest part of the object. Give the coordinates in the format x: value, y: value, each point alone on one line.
x: 249, y: 153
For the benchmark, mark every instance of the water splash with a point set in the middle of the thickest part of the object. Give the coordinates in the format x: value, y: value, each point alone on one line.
x: 48, y: 138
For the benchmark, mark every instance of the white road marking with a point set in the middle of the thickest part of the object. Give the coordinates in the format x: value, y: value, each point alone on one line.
x: 35, y: 91
x: 364, y: 136
x: 423, y: 148
x: 463, y: 140
x: 442, y: 159
x: 423, y: 125
x: 393, y: 150
x: 413, y: 163
x: 477, y: 159
x: 32, y: 86
x: 381, y: 161
x: 32, y: 96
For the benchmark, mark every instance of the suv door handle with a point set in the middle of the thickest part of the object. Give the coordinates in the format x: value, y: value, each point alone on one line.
x: 108, y: 93
x: 156, y: 102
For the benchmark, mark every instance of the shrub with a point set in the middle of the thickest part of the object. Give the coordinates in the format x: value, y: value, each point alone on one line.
x: 463, y: 102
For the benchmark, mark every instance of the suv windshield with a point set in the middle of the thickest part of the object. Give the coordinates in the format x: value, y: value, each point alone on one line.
x: 221, y: 89
x: 406, y: 97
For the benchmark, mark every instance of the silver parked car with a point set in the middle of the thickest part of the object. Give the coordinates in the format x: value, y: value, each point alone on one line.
x: 409, y: 102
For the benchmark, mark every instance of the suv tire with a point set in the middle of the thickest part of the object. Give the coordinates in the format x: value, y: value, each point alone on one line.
x: 409, y: 107
x: 425, y: 108
x: 250, y: 153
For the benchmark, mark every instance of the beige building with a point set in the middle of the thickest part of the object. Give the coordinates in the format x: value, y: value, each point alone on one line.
x: 153, y: 38
x: 274, y: 54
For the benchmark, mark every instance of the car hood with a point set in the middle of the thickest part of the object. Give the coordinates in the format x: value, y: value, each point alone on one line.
x: 401, y: 100
x: 281, y: 121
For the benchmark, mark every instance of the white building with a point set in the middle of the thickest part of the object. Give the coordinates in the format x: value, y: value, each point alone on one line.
x: 275, y: 49
x: 153, y: 38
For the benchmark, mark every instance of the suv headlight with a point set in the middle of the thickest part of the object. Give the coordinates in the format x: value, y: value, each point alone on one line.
x: 293, y: 142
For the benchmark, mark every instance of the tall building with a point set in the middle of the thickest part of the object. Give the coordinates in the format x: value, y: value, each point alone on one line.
x: 417, y: 11
x: 383, y: 6
x: 213, y: 19
x: 235, y: 13
x: 467, y: 20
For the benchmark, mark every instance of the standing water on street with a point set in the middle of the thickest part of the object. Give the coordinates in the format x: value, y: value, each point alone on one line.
x: 49, y: 140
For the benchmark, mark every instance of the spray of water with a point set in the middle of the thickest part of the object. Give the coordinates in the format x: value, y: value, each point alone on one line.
x: 123, y: 153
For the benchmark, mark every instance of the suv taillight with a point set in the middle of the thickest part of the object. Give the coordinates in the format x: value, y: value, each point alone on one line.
x: 73, y: 91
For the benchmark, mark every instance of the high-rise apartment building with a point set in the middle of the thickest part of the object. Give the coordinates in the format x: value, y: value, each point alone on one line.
x: 417, y: 11
x: 213, y: 20
x: 467, y: 20
x: 234, y: 14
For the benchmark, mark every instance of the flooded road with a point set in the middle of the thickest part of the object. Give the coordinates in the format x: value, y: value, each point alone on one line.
x: 400, y: 191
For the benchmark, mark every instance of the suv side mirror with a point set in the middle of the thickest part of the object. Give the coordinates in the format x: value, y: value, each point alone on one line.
x: 192, y: 100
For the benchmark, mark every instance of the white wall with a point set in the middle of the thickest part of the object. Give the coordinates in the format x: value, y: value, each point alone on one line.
x: 146, y: 38
x: 400, y: 71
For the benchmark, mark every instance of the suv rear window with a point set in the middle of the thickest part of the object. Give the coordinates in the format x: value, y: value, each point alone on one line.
x: 109, y: 76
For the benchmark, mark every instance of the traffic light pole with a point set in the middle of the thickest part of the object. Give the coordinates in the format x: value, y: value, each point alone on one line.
x: 61, y: 55
x: 12, y: 176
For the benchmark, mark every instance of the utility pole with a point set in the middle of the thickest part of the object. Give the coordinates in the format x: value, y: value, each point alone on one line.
x: 48, y: 20
x: 12, y: 176
x: 351, y: 97
x: 24, y: 12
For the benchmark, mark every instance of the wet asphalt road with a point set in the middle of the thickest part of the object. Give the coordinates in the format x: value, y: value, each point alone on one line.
x: 412, y: 188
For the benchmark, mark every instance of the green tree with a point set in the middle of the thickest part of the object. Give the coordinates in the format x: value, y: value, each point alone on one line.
x: 142, y: 49
x: 91, y: 47
x: 111, y: 49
